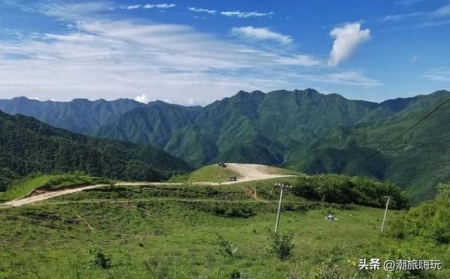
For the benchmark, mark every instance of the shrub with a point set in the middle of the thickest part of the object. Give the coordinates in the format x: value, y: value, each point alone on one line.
x: 281, y: 244
x: 100, y: 259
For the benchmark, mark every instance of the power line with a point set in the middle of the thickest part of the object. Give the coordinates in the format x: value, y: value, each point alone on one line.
x: 407, y: 130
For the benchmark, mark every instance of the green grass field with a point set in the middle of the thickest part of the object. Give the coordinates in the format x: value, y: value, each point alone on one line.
x: 185, y: 231
x: 173, y: 232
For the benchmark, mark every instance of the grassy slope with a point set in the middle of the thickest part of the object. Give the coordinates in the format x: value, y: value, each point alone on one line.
x: 53, y: 239
x: 23, y: 187
x: 211, y: 173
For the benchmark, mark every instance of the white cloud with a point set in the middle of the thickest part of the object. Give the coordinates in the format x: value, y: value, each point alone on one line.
x: 346, y: 39
x: 399, y: 17
x: 65, y: 12
x: 159, y: 6
x: 348, y: 78
x: 132, y: 7
x: 438, y: 74
x: 408, y: 2
x: 299, y: 60
x: 442, y: 12
x: 109, y: 58
x: 435, y: 23
x: 260, y: 34
x: 245, y: 14
x: 438, y: 17
x: 113, y: 59
x: 142, y: 99
x: 147, y: 6
x: 199, y: 10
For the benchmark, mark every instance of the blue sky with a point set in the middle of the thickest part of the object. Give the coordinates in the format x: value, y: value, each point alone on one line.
x: 201, y: 51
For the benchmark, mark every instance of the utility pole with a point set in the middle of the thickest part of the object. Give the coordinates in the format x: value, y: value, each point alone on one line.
x: 282, y: 186
x: 385, y: 212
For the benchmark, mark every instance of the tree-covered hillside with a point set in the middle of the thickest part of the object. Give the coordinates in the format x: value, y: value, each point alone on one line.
x: 248, y: 127
x: 28, y: 146
x: 417, y: 161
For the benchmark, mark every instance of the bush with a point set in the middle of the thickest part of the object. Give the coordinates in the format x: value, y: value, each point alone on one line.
x: 430, y: 221
x: 342, y: 189
x: 281, y: 244
x: 100, y: 259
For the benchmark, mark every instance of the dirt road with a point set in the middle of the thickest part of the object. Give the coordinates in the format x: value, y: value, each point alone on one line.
x: 248, y: 172
x: 251, y: 172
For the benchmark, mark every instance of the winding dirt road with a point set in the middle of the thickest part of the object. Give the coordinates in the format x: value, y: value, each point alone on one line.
x: 248, y: 172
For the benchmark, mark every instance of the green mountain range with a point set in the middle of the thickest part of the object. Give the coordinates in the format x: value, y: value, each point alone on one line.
x: 248, y: 127
x: 418, y: 160
x: 28, y: 146
x: 79, y: 116
x: 301, y: 129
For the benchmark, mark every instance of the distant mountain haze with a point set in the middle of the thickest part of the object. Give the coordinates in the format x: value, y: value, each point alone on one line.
x: 302, y: 129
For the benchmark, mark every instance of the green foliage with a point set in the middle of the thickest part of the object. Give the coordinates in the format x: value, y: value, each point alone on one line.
x: 443, y: 191
x: 280, y: 244
x: 99, y: 259
x: 229, y: 210
x: 429, y: 221
x: 224, y: 247
x: 348, y: 190
x: 28, y: 146
x: 50, y: 238
x: 243, y: 128
x: 417, y: 161
x: 329, y: 266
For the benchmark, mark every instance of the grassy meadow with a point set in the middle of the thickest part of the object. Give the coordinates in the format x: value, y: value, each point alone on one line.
x: 170, y: 231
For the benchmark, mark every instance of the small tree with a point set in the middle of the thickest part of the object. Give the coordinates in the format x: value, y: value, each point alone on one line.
x: 281, y: 244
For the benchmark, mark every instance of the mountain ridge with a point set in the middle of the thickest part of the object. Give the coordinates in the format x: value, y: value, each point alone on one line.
x: 303, y: 129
